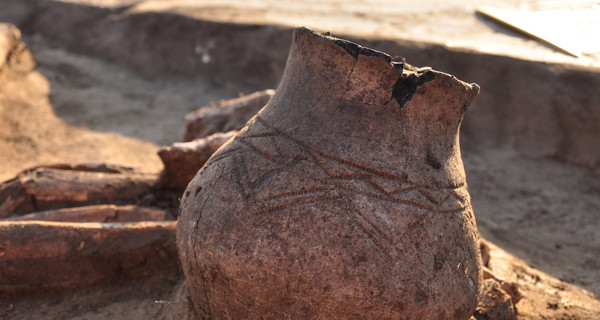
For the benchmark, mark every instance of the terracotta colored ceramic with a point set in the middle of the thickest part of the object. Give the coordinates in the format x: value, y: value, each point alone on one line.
x: 344, y: 198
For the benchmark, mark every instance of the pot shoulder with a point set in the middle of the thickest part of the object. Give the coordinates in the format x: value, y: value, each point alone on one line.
x: 337, y: 230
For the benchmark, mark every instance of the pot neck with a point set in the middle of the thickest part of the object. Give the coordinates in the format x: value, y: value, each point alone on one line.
x: 354, y: 101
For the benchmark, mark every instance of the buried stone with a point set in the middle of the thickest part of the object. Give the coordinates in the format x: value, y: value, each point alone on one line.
x: 340, y: 199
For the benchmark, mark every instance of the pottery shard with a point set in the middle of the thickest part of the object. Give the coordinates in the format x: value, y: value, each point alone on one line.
x: 182, y: 160
x: 37, y: 256
x: 225, y: 115
x: 47, y: 188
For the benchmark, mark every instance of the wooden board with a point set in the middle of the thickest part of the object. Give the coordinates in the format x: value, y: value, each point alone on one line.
x: 572, y: 31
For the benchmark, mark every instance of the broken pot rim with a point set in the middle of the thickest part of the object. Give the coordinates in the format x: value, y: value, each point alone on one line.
x: 400, y: 67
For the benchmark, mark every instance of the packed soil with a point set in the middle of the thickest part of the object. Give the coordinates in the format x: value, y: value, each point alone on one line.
x: 78, y: 107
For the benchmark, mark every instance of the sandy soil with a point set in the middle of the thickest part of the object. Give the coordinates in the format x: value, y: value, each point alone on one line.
x: 542, y: 211
x: 103, y: 97
x: 31, y: 134
x: 74, y: 94
x: 79, y: 108
x: 127, y: 299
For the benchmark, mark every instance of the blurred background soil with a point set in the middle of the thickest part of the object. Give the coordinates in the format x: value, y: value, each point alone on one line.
x: 110, y: 81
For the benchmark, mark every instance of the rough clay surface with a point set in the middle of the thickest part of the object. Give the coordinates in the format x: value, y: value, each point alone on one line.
x: 297, y: 215
x: 550, y: 219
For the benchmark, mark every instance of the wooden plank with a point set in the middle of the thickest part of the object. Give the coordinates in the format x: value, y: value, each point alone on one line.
x: 562, y: 29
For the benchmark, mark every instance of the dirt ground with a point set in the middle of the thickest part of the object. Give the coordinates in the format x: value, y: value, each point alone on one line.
x: 80, y: 108
x: 136, y: 115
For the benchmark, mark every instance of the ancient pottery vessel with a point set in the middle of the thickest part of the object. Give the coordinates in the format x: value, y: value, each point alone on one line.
x: 343, y: 198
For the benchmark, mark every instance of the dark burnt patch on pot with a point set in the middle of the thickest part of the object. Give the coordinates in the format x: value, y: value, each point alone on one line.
x: 352, y: 48
x: 421, y: 298
x: 433, y: 161
x: 355, y: 50
x: 398, y: 66
x: 406, y: 86
x: 438, y: 261
x: 374, y: 53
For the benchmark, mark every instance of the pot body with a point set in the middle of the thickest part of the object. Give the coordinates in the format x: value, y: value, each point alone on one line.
x: 344, y: 198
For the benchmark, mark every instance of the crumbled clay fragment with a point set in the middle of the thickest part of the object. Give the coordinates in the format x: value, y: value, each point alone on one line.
x: 496, y: 303
x: 182, y: 160
x: 225, y: 115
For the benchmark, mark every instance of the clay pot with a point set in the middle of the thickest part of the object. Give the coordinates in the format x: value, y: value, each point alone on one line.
x: 343, y: 198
